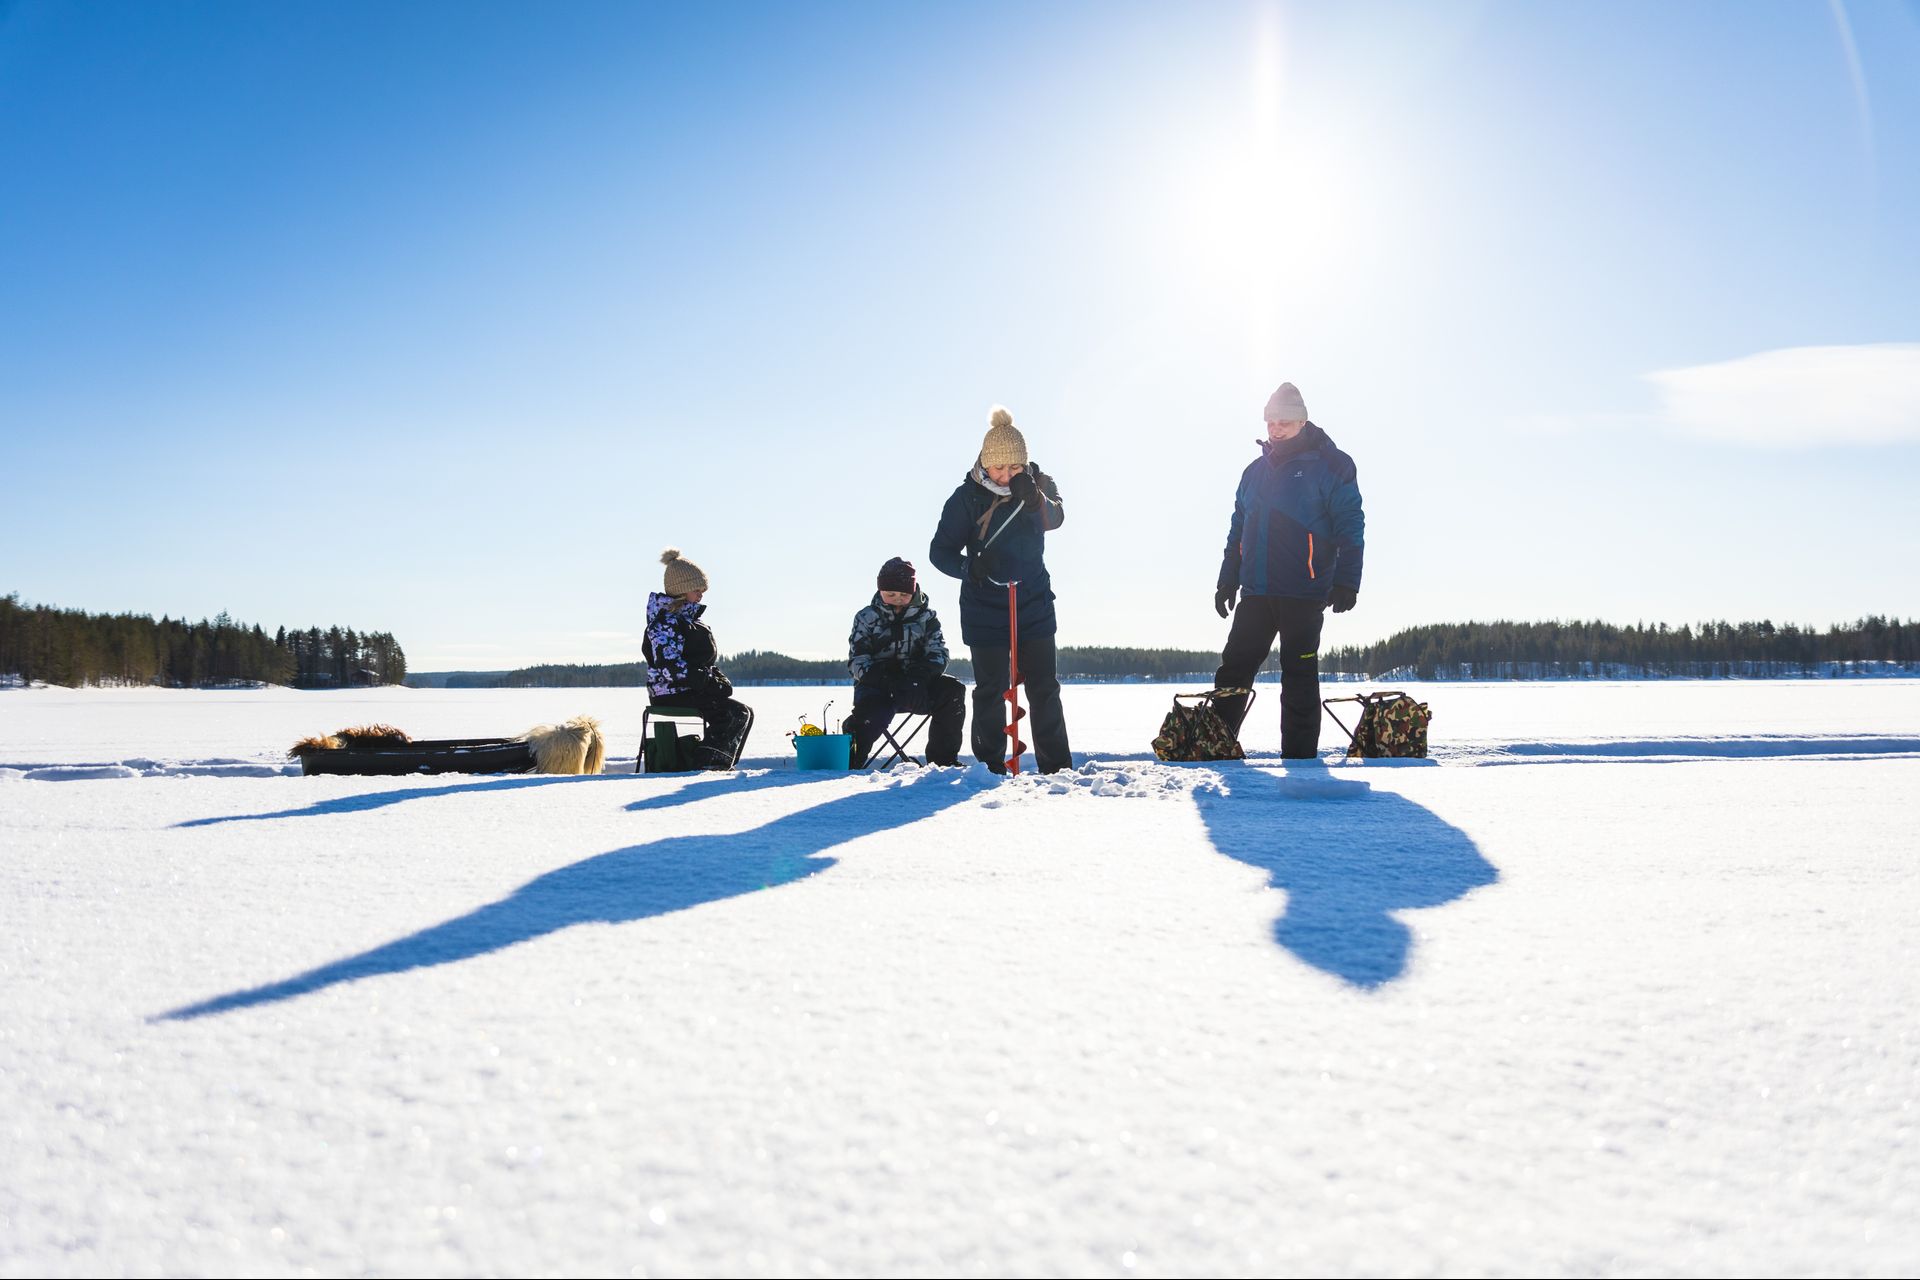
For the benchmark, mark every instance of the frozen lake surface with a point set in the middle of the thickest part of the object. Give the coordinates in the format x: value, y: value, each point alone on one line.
x: 1620, y: 983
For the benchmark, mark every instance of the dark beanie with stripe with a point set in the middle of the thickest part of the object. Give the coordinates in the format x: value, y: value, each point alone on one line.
x: 898, y: 575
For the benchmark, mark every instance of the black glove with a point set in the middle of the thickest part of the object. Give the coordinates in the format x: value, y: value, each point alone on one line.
x: 1341, y: 599
x: 1023, y: 489
x: 977, y: 569
x: 1223, y: 600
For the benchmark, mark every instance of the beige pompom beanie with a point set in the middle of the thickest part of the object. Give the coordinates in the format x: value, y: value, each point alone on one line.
x: 1285, y: 405
x: 1004, y: 445
x: 683, y: 575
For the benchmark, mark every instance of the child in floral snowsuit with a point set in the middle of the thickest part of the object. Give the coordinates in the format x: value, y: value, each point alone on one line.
x: 683, y: 664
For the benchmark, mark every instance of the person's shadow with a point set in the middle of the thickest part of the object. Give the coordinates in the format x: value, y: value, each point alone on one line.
x: 1348, y: 857
x: 633, y: 883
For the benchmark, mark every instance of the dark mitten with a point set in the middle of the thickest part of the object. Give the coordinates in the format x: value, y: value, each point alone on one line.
x: 1024, y: 490
x: 1223, y: 600
x: 977, y: 569
x: 1341, y: 599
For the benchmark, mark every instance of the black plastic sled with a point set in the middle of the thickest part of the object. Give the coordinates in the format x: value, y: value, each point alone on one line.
x: 451, y: 755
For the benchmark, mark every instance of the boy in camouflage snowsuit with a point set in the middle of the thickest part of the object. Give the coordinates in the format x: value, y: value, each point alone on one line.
x: 898, y: 658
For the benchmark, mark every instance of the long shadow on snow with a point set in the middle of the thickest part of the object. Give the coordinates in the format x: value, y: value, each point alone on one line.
x: 628, y: 884
x: 698, y: 787
x: 1348, y: 857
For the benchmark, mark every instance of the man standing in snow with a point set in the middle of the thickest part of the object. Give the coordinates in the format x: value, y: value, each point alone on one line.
x: 1293, y: 551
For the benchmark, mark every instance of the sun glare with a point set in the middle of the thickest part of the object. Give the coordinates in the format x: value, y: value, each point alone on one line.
x: 1269, y: 207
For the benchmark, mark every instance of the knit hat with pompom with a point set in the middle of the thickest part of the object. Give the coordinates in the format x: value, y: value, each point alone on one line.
x: 1004, y: 445
x: 683, y: 576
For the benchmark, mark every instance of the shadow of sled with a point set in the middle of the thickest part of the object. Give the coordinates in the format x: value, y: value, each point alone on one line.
x: 634, y: 883
x: 695, y: 787
x: 1348, y: 857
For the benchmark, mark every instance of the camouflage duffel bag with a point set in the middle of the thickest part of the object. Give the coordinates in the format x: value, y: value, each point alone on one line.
x: 1197, y: 732
x: 1391, y: 724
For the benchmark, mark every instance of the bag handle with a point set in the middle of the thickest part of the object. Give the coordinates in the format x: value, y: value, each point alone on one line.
x: 1211, y: 694
x: 1365, y: 700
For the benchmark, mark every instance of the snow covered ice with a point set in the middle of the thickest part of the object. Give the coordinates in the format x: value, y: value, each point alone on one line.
x: 1621, y: 983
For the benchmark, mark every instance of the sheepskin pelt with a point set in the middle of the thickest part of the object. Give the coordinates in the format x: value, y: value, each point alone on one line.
x: 578, y: 746
x: 307, y: 746
x: 373, y: 735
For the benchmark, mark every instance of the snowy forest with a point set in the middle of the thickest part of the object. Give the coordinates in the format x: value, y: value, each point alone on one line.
x: 1450, y: 651
x: 1600, y: 650
x: 74, y: 647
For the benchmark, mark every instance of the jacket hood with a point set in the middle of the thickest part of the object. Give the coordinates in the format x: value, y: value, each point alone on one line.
x: 658, y: 602
x: 915, y: 607
x: 1310, y: 437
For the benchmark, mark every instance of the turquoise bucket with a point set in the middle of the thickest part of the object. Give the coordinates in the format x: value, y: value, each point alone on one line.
x: 824, y: 751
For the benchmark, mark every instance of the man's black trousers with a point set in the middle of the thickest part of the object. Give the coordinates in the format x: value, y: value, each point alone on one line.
x: 1046, y: 723
x: 1295, y: 624
x: 876, y: 703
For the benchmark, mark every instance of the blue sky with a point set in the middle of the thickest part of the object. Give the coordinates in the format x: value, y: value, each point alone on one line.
x: 444, y: 319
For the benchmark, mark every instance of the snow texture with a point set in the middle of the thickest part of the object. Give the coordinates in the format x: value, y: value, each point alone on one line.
x: 1619, y: 983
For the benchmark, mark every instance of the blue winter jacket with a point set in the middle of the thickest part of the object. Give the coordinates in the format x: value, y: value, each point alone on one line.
x: 1298, y: 529
x: 975, y: 513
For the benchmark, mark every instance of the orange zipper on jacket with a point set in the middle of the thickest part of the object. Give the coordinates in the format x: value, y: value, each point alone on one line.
x: 1310, y: 572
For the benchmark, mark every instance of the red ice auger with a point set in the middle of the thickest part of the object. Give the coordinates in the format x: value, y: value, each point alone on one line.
x: 1013, y: 680
x: 1013, y: 651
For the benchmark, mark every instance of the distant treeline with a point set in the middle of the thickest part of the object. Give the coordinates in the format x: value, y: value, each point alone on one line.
x: 1452, y: 651
x: 755, y: 666
x: 73, y: 647
x: 1600, y: 650
x: 758, y: 666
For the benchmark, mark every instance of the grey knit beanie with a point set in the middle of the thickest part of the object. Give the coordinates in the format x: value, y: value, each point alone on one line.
x: 1285, y: 405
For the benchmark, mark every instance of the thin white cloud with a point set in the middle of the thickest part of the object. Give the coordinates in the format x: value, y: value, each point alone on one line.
x: 1799, y: 396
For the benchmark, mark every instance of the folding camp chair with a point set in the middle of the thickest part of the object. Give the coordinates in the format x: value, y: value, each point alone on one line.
x: 900, y: 744
x: 662, y: 748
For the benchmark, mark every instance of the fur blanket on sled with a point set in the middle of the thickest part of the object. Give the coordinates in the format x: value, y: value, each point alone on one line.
x: 577, y: 746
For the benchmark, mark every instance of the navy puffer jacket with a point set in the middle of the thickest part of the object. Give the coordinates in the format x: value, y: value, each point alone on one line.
x: 973, y: 515
x: 1298, y: 529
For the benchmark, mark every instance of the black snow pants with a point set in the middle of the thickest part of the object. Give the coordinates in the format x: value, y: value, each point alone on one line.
x: 876, y: 703
x: 1257, y: 623
x: 726, y: 722
x: 1046, y: 722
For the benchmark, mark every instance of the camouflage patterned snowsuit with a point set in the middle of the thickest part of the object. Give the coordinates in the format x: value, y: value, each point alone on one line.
x: 898, y: 659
